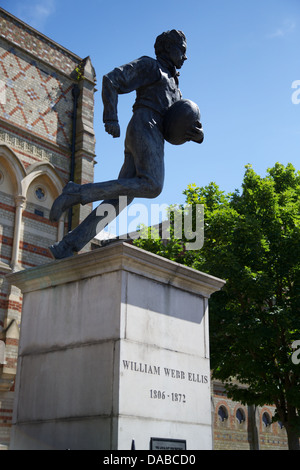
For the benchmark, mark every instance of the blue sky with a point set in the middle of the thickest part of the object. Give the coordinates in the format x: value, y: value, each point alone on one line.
x: 243, y: 58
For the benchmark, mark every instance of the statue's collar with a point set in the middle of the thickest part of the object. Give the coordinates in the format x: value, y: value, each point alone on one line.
x: 168, y: 65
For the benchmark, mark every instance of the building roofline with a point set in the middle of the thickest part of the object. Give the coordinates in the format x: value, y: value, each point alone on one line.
x: 41, y: 35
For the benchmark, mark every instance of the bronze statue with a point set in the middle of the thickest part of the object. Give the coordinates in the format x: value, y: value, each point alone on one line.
x: 142, y: 174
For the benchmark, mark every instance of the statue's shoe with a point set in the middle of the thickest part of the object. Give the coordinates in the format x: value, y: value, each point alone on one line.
x: 61, y: 250
x: 69, y: 197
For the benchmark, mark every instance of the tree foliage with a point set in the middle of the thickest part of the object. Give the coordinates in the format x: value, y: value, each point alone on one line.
x: 252, y: 240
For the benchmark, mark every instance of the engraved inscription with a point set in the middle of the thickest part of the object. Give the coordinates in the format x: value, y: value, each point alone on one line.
x: 139, y: 367
x: 162, y: 395
x: 165, y: 371
x: 179, y: 376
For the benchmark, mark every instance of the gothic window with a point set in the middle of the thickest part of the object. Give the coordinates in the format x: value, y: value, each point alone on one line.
x: 266, y: 419
x: 240, y: 416
x: 222, y: 413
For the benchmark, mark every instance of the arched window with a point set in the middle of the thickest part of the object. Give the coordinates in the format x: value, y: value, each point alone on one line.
x: 222, y: 413
x: 266, y: 419
x: 240, y: 416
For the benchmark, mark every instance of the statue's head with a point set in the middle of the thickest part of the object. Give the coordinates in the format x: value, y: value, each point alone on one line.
x: 171, y: 45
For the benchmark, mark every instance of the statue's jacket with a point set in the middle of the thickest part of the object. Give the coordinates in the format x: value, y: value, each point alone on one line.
x: 155, y: 82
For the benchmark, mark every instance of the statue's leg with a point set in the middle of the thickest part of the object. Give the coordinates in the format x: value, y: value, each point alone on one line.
x: 96, y: 221
x: 143, y: 185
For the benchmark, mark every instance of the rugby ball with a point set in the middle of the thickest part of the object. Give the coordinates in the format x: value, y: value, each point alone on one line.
x: 178, y: 119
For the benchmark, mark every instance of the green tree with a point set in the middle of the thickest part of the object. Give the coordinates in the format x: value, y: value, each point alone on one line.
x: 252, y: 240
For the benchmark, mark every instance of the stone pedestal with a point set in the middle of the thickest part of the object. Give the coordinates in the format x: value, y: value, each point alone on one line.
x: 114, y: 347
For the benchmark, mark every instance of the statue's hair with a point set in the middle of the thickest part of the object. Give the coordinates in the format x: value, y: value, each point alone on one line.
x: 168, y: 37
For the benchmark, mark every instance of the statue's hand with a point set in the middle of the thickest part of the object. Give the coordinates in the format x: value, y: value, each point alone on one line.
x: 113, y: 128
x: 196, y: 133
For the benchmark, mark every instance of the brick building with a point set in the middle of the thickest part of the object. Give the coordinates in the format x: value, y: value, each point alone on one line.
x: 240, y: 427
x: 46, y: 139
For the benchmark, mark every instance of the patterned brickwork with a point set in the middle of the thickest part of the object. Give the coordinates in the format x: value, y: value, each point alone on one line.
x: 36, y: 44
x: 37, y: 98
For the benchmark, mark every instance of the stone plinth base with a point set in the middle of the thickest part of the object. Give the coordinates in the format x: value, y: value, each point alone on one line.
x: 114, y: 347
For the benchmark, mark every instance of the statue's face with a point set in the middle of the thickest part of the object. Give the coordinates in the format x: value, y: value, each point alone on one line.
x: 177, y: 53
